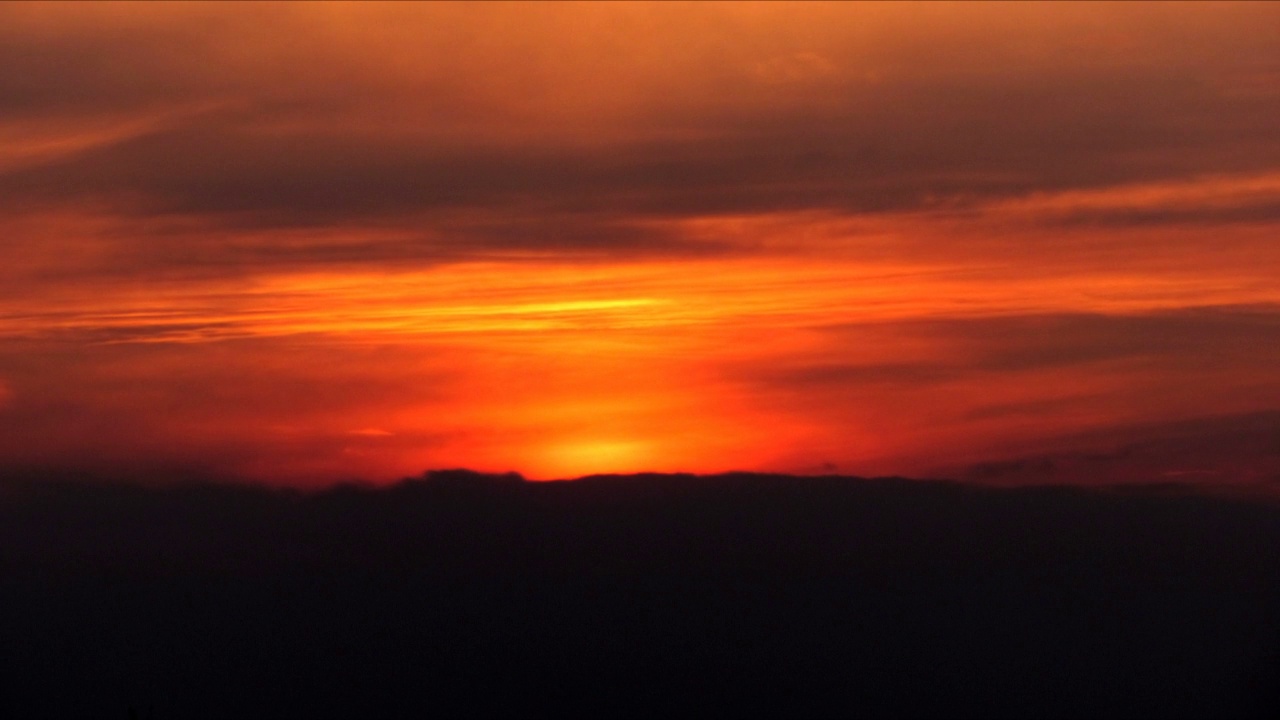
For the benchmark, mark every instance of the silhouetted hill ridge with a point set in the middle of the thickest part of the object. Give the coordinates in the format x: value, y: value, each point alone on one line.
x: 734, y: 594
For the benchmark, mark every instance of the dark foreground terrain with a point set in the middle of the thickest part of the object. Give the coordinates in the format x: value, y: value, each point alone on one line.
x: 733, y: 595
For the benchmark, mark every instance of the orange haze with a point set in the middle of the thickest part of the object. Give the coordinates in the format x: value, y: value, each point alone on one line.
x: 307, y: 242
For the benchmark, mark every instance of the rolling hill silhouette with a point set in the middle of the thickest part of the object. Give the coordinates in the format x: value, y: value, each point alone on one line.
x: 725, y: 595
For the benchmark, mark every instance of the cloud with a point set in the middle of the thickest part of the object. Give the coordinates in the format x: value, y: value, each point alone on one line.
x: 370, y: 123
x: 371, y: 432
x: 144, y: 143
x: 1228, y: 452
x: 1027, y: 200
x: 902, y: 396
x: 1019, y: 343
x: 1197, y: 201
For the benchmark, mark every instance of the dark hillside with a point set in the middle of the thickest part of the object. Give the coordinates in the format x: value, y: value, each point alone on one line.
x: 726, y: 595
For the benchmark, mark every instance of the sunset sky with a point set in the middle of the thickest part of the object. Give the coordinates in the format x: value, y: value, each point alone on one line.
x: 303, y: 243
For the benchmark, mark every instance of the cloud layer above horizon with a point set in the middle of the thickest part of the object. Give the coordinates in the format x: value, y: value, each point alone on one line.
x: 310, y: 241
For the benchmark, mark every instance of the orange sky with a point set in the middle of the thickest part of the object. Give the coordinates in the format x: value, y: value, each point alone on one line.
x: 308, y: 242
